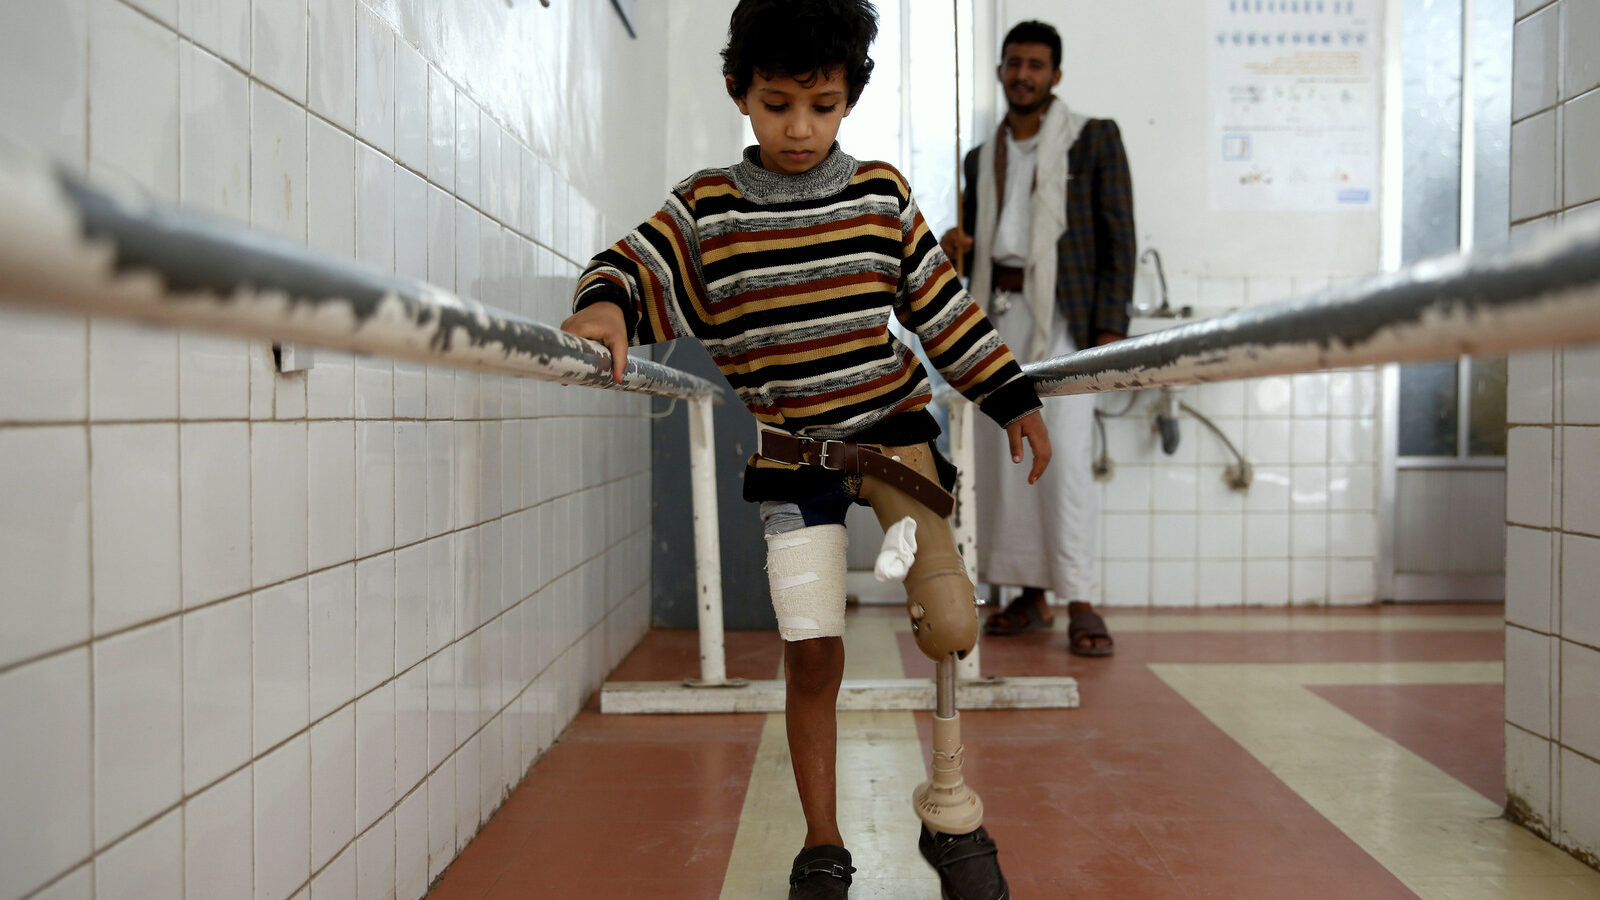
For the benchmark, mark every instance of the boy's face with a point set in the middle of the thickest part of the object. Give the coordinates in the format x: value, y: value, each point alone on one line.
x: 795, y: 123
x: 1027, y: 74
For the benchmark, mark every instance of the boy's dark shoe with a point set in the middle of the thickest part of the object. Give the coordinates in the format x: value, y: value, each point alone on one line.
x: 968, y: 865
x: 821, y: 873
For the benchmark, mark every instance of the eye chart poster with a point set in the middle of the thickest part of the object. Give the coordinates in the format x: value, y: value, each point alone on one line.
x: 1294, y: 104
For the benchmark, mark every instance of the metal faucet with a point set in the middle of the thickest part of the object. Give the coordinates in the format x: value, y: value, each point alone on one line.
x: 1165, y: 311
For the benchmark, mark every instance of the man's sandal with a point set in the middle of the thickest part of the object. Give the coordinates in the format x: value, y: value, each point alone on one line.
x: 1088, y: 625
x: 968, y: 865
x: 821, y: 873
x: 1020, y: 616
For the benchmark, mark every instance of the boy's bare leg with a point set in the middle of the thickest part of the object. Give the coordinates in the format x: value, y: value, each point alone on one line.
x: 813, y: 669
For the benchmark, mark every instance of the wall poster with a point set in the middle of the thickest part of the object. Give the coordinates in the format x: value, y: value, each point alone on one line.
x: 1294, y: 91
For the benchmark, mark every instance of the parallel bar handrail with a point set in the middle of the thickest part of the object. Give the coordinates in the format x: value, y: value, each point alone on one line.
x: 1541, y: 293
x: 68, y: 245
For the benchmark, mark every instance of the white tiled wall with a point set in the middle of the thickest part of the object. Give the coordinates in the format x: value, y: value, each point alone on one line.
x: 1174, y: 534
x: 271, y: 636
x: 1553, y: 459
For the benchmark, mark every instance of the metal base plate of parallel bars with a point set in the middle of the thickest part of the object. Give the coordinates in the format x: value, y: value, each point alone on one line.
x: 854, y: 695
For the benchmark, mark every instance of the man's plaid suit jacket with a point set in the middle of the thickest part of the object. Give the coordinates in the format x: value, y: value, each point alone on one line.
x: 1096, y: 255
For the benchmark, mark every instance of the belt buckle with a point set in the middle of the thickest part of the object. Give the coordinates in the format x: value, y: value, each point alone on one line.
x: 822, y: 459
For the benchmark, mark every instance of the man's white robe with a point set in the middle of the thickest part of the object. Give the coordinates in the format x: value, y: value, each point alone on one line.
x: 1044, y: 534
x: 1041, y: 535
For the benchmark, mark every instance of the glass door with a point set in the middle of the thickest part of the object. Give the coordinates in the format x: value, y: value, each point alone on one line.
x: 1445, y: 447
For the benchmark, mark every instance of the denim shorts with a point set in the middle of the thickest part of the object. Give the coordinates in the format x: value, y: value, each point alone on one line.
x: 826, y: 508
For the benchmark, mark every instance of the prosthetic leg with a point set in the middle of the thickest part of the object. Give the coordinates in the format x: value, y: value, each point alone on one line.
x: 944, y: 621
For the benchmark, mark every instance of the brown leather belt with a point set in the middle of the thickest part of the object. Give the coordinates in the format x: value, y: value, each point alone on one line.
x: 854, y: 458
x: 1007, y: 278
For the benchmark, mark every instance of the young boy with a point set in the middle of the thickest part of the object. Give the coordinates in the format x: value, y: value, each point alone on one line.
x: 787, y: 266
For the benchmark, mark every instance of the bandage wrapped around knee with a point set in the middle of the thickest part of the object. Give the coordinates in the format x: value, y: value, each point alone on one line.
x: 805, y: 569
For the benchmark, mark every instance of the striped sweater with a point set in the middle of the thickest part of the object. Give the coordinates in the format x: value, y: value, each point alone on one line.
x: 789, y: 282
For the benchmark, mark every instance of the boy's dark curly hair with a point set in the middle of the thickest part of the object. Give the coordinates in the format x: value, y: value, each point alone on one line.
x: 803, y: 39
x: 1035, y: 32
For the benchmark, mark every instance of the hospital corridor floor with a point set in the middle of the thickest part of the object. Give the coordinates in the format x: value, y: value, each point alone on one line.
x: 1308, y: 753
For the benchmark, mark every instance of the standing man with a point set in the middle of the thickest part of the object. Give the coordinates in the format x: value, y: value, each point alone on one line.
x: 1048, y: 233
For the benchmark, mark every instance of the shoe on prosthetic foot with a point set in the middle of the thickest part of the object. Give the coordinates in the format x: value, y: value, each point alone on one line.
x: 967, y: 864
x: 821, y: 873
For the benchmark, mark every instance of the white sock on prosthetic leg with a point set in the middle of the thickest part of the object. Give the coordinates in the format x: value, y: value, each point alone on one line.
x: 898, y: 551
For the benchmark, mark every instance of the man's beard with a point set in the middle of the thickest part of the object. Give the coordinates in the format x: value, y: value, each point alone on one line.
x: 1026, y: 109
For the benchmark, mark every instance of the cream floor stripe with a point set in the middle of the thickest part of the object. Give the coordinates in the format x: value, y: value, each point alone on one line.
x: 1272, y: 621
x: 1439, y: 837
x: 880, y: 762
x: 1305, y: 621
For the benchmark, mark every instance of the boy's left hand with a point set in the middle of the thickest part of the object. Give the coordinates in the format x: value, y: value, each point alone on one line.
x: 1032, y: 428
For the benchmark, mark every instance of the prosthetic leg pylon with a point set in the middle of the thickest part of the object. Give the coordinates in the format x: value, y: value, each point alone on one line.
x: 944, y: 620
x: 944, y: 802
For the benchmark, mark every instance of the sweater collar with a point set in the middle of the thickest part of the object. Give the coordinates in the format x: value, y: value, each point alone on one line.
x: 822, y: 180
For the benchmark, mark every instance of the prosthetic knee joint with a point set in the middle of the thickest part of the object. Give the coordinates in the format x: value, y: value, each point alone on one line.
x: 944, y: 620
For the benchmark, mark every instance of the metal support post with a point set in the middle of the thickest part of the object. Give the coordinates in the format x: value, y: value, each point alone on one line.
x: 707, y: 552
x: 965, y: 523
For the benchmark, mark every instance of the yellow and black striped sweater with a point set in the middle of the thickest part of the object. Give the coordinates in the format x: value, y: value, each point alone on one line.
x: 789, y: 281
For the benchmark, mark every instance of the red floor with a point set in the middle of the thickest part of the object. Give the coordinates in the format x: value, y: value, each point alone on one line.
x: 1432, y: 721
x: 1135, y: 794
